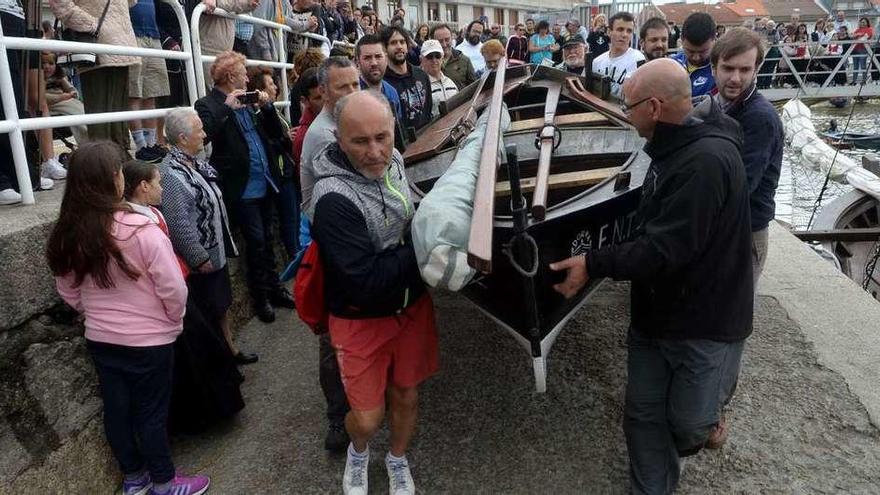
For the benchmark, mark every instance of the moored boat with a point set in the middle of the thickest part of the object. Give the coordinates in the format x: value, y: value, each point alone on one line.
x: 851, y: 227
x: 583, y: 194
x: 846, y: 140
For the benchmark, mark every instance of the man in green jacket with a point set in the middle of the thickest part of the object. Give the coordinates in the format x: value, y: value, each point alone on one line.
x: 455, y: 65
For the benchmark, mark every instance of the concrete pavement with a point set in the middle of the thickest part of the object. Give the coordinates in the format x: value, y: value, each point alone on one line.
x: 796, y: 427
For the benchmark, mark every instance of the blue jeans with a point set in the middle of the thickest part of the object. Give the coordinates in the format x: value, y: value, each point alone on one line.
x: 674, y: 394
x: 859, y: 66
x: 136, y: 388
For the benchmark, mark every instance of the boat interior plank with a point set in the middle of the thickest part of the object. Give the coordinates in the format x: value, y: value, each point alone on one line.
x: 593, y: 118
x: 561, y: 181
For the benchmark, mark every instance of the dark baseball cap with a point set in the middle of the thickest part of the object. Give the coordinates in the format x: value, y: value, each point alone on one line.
x: 574, y: 40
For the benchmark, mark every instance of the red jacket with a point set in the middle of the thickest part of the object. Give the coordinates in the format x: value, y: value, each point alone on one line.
x: 300, y: 135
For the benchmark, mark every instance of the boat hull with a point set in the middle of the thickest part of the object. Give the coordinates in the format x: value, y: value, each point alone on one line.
x: 852, y: 211
x: 592, y: 139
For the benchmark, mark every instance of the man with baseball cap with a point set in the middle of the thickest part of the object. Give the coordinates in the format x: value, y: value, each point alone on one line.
x: 573, y: 52
x: 442, y: 87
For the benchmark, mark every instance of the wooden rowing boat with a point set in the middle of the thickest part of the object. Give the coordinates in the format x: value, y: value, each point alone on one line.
x: 589, y: 193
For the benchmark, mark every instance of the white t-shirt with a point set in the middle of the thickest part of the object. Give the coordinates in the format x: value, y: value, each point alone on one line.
x: 473, y: 52
x: 618, y: 68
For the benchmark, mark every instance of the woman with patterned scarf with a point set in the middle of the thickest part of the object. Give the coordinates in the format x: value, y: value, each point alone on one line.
x: 199, y: 230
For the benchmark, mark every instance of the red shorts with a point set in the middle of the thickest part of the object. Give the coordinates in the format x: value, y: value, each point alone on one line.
x: 402, y: 348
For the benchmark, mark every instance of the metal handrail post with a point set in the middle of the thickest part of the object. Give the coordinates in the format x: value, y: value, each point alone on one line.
x: 198, y: 64
x: 282, y: 57
x: 16, y: 139
x: 187, y: 48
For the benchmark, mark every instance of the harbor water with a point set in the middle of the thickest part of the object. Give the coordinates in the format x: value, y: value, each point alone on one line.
x: 800, y: 185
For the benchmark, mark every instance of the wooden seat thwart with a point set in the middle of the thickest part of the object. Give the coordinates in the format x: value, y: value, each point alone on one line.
x: 593, y: 118
x: 561, y: 181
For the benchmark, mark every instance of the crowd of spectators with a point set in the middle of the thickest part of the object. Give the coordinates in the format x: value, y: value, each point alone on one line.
x: 118, y: 82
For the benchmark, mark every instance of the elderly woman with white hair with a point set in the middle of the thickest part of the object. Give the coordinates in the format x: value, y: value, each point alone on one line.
x: 206, y: 378
x: 197, y: 220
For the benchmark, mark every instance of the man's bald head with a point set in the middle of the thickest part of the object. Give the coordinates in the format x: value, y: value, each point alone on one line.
x: 664, y: 79
x: 367, y: 102
x: 659, y: 91
x: 365, y: 131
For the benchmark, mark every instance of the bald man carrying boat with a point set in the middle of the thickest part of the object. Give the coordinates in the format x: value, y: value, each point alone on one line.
x: 381, y: 316
x: 690, y: 266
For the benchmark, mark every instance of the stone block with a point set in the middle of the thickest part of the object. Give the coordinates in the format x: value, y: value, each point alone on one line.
x: 14, y: 458
x: 26, y: 284
x: 61, y: 378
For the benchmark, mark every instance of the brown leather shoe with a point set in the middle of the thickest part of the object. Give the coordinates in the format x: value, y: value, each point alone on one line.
x: 718, y: 434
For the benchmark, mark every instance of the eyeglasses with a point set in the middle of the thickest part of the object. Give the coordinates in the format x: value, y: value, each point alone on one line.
x: 627, y: 109
x: 433, y: 56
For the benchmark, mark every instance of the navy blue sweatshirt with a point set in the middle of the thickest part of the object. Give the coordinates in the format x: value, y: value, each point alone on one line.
x: 763, y: 138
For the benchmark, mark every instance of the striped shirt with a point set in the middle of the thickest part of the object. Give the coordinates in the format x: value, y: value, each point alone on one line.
x: 442, y: 89
x: 12, y: 7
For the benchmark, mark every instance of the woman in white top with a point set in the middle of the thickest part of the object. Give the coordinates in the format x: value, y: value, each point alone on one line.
x: 442, y: 87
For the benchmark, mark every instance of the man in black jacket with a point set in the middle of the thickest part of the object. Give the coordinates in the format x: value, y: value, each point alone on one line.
x: 735, y: 60
x: 411, y: 82
x: 690, y: 267
x: 381, y: 316
x: 248, y: 150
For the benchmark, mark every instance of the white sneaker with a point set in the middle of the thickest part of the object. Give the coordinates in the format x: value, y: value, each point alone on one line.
x: 400, y: 480
x: 9, y: 197
x: 354, y: 481
x: 46, y: 183
x: 52, y: 169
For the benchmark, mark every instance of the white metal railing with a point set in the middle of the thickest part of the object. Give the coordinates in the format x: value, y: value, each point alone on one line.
x: 820, y: 71
x: 278, y: 38
x: 14, y: 125
x: 190, y: 54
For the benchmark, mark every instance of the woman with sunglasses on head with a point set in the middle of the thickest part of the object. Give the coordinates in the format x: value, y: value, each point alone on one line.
x: 442, y: 87
x: 118, y: 269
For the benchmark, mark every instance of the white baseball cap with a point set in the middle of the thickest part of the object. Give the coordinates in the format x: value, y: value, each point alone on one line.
x: 431, y: 46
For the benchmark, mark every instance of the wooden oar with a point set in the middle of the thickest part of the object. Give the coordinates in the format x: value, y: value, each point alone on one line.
x: 539, y: 199
x: 466, y: 124
x: 480, y: 241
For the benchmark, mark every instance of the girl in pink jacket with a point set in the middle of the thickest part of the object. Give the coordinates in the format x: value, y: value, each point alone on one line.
x: 118, y: 269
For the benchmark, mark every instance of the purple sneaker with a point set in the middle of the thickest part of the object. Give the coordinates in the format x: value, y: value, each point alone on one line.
x: 138, y: 486
x: 184, y: 485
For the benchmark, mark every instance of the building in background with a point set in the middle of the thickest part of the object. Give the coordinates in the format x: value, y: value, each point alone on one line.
x: 458, y: 14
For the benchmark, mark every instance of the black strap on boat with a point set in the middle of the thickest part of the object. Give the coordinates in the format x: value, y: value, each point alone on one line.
x: 871, y: 265
x: 557, y: 136
x: 508, y: 251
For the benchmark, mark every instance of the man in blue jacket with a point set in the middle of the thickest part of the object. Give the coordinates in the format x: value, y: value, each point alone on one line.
x: 697, y: 40
x: 735, y: 60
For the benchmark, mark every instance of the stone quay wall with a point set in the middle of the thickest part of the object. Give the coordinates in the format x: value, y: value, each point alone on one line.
x: 51, y: 430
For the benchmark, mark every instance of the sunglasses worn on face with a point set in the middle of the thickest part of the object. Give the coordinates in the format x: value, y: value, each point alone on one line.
x: 433, y: 56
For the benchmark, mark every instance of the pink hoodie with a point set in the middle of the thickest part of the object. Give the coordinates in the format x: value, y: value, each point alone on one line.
x: 136, y: 313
